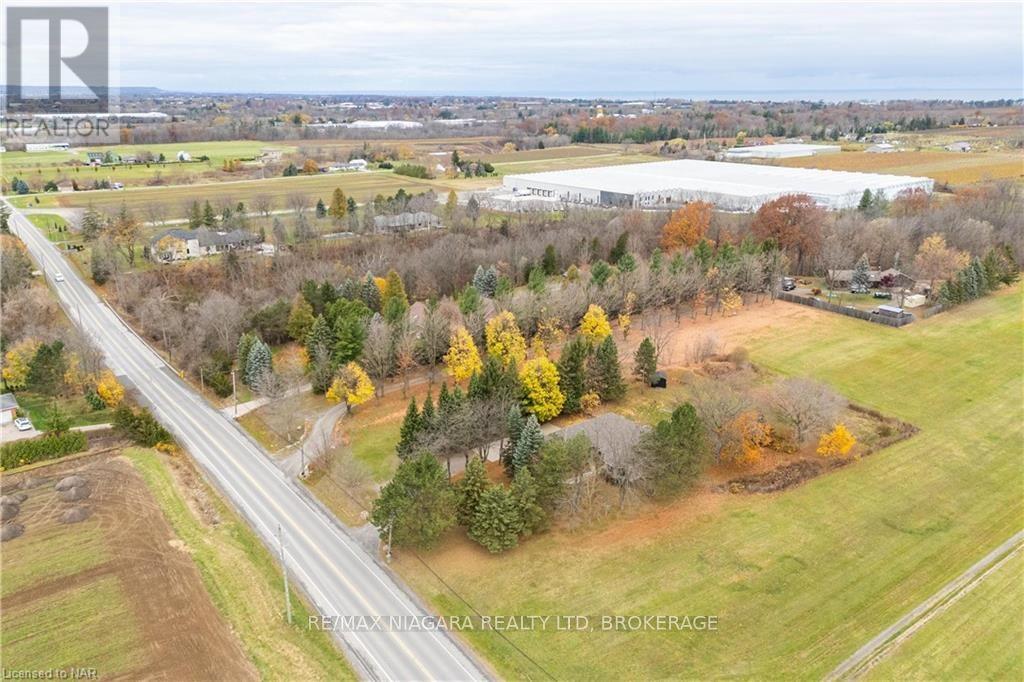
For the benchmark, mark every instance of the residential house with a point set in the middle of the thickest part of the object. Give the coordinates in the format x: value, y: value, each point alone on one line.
x: 179, y: 244
x: 94, y: 158
x: 881, y: 148
x: 183, y: 156
x: 8, y: 408
x: 958, y: 147
x: 403, y: 222
x: 842, y: 278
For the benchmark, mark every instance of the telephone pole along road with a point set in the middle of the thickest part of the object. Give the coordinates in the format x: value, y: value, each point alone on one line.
x: 338, y: 576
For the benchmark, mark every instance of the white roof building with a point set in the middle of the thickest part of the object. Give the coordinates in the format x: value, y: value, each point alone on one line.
x: 729, y: 186
x: 780, y: 151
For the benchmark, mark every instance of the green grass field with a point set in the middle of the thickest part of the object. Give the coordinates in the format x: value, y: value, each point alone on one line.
x: 106, y: 636
x: 77, y: 410
x: 978, y: 638
x: 800, y: 579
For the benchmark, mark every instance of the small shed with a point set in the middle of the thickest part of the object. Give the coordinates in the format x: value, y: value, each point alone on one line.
x: 659, y: 380
x: 8, y: 408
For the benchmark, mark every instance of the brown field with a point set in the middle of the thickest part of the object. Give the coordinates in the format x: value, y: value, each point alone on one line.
x: 954, y: 168
x: 117, y: 592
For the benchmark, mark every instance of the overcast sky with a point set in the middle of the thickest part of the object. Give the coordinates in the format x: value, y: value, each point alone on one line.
x: 550, y: 47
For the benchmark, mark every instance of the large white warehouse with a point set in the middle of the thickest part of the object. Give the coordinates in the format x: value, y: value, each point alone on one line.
x: 729, y: 186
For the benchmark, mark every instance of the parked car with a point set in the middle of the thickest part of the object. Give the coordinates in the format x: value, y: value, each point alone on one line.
x: 788, y: 284
x: 58, y: 277
x: 22, y: 424
x: 858, y: 289
x: 882, y: 294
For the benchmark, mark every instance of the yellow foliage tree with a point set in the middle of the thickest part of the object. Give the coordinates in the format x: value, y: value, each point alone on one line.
x: 589, y: 402
x: 731, y: 302
x: 462, y: 358
x: 109, y: 389
x: 594, y: 325
x: 837, y: 442
x: 504, y: 340
x: 937, y: 261
x: 626, y: 316
x: 752, y: 435
x: 352, y: 385
x: 686, y: 226
x: 541, y: 393
x: 74, y: 377
x: 16, y: 363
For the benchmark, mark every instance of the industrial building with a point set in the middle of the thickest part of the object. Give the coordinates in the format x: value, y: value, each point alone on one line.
x: 729, y: 186
x: 780, y: 151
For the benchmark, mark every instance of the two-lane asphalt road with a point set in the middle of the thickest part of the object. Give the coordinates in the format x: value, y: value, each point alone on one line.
x: 339, y: 577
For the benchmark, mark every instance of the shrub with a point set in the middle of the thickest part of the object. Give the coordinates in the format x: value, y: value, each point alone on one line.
x: 700, y: 349
x: 412, y: 171
x: 50, y: 446
x: 140, y: 426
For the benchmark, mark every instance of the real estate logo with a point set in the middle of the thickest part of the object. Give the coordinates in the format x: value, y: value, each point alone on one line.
x: 58, y: 59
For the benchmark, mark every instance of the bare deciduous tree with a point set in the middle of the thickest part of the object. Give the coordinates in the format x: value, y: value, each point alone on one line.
x: 806, y: 405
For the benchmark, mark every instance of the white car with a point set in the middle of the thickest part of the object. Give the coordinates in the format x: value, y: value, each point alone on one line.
x: 58, y: 277
x: 22, y: 424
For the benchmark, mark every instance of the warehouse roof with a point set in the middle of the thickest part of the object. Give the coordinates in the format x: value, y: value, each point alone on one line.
x: 738, y: 179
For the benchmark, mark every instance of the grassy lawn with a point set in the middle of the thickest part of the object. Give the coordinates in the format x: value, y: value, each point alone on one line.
x: 245, y: 583
x: 978, y: 638
x: 106, y: 636
x: 76, y: 408
x: 277, y: 425
x: 799, y: 579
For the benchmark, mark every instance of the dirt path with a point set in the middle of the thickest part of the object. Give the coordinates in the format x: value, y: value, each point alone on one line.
x: 885, y: 642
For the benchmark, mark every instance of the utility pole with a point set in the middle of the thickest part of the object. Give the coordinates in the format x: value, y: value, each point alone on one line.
x: 284, y: 570
x: 202, y: 382
x: 391, y: 523
x: 234, y: 392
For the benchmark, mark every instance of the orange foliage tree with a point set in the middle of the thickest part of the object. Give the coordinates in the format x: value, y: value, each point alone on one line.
x: 686, y: 226
x: 794, y: 222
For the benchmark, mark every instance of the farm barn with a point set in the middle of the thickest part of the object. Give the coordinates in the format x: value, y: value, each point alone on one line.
x: 729, y: 186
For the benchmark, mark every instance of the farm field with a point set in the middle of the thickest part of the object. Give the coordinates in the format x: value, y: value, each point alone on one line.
x: 954, y: 168
x: 798, y: 579
x: 75, y: 595
x: 979, y: 636
x: 568, y: 162
x: 176, y: 199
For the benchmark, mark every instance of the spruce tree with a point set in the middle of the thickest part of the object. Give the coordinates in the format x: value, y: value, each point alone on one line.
x: 209, y: 217
x: 572, y: 373
x: 861, y: 278
x: 496, y: 523
x: 469, y: 490
x: 608, y: 382
x: 370, y: 294
x: 514, y: 425
x: 428, y: 416
x: 550, y: 260
x: 409, y: 431
x: 645, y: 362
x: 532, y: 516
x: 319, y: 336
x: 245, y: 343
x: 258, y: 362
x: 321, y: 209
x: 527, y: 444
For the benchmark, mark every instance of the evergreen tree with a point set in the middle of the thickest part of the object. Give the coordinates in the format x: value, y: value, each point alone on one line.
x: 195, y: 216
x: 428, y: 417
x: 469, y: 490
x: 608, y: 382
x: 619, y: 249
x: 496, y: 523
x: 370, y: 294
x: 495, y: 380
x: 409, y: 431
x: 537, y: 280
x: 861, y: 278
x: 300, y: 319
x: 525, y: 495
x: 319, y: 336
x: 349, y: 336
x: 209, y: 216
x: 865, y: 201
x: 645, y: 362
x: 321, y: 209
x: 675, y: 448
x: 469, y: 300
x: 704, y: 254
x: 245, y: 343
x: 485, y: 280
x: 394, y: 290
x: 418, y: 503
x: 257, y: 363
x: 572, y: 373
x: 549, y: 262
x: 527, y: 444
x: 514, y: 424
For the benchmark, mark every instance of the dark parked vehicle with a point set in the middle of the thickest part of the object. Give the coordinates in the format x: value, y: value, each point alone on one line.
x: 883, y: 294
x: 788, y: 284
x: 858, y: 289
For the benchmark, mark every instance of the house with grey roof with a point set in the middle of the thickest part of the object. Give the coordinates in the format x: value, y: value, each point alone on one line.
x: 179, y: 244
x: 403, y: 222
x: 8, y: 408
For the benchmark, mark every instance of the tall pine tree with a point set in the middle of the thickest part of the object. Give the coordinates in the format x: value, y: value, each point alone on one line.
x: 608, y: 381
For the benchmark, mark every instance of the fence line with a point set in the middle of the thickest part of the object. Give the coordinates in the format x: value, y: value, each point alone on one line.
x: 849, y: 312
